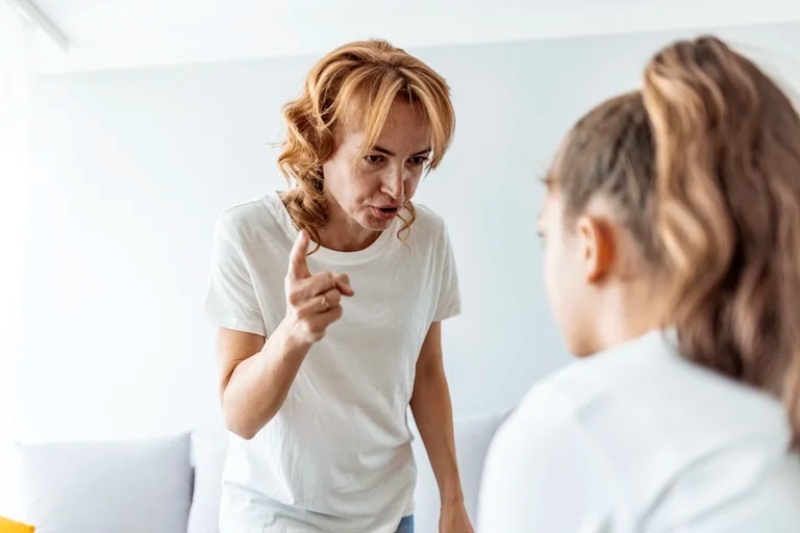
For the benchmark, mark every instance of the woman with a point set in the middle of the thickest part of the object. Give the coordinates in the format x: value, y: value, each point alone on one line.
x: 672, y: 263
x: 322, y: 353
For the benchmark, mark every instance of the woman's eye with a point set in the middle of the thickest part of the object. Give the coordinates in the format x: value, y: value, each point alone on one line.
x: 374, y: 159
x: 419, y: 160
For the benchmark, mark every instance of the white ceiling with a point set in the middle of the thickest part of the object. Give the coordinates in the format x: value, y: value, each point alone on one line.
x: 134, y: 33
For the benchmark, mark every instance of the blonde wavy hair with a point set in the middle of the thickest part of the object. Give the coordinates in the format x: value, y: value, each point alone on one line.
x: 703, y: 163
x: 357, y: 81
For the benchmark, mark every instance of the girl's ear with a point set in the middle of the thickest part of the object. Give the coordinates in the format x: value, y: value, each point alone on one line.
x: 597, y: 248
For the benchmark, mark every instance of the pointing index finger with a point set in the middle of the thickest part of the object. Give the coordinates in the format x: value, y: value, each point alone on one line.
x: 298, y: 266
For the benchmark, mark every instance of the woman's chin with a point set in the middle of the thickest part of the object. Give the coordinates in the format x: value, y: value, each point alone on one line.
x: 377, y: 223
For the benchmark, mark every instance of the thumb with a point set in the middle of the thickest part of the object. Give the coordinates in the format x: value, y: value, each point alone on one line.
x: 298, y: 266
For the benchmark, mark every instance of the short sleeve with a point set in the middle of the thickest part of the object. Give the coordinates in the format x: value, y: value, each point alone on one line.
x: 541, y: 474
x: 231, y: 300
x: 448, y: 303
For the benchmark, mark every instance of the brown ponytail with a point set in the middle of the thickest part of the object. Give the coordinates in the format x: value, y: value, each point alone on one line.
x: 714, y: 145
x: 728, y: 196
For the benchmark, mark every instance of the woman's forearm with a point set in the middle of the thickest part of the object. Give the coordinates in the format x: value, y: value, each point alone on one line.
x: 433, y: 415
x: 259, y: 385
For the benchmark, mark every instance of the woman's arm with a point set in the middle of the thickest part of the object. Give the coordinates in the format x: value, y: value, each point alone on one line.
x: 256, y: 372
x: 256, y: 375
x: 430, y: 404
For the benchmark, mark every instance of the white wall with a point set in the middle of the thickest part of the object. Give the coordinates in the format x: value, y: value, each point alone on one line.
x: 132, y: 168
x: 16, y: 88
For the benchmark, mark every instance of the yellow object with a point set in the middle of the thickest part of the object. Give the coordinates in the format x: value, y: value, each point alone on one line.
x: 9, y: 526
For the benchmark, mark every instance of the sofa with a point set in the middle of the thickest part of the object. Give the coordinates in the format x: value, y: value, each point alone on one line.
x: 171, y: 484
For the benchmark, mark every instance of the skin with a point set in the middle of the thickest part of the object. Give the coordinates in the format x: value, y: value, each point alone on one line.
x: 601, y: 290
x: 387, y: 176
x: 256, y: 373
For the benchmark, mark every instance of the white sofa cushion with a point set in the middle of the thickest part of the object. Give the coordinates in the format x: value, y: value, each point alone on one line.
x: 472, y: 438
x: 103, y: 487
x: 208, y: 456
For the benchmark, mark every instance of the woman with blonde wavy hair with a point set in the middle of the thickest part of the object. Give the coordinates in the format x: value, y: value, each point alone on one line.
x: 329, y: 299
x: 672, y: 263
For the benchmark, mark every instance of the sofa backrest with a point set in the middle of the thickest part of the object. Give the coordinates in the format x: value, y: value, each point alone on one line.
x: 98, y: 487
x: 173, y: 484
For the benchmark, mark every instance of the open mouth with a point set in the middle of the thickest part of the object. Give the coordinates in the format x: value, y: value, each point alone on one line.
x: 388, y: 211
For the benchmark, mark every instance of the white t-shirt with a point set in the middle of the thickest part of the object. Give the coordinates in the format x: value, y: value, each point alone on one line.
x: 637, y: 439
x: 337, y: 456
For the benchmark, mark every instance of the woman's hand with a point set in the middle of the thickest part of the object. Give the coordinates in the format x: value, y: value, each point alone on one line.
x: 313, y: 302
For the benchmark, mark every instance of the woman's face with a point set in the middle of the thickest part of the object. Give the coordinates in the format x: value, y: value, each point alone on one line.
x: 371, y: 189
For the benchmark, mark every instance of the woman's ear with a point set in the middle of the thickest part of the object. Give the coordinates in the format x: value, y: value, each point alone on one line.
x: 597, y: 248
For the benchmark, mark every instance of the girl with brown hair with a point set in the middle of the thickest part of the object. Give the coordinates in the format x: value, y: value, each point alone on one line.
x: 672, y: 263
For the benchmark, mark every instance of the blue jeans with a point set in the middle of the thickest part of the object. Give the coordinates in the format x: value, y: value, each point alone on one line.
x: 406, y: 525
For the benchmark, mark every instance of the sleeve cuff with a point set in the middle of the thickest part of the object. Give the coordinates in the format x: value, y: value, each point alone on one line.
x: 239, y: 324
x: 450, y: 311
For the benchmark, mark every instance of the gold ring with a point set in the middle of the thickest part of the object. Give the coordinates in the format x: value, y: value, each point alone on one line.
x: 324, y: 303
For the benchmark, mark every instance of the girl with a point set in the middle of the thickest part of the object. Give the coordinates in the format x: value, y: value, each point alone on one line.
x: 672, y: 263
